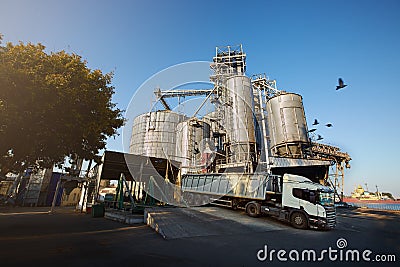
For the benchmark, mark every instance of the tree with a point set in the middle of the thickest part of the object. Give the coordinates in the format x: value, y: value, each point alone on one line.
x: 51, y: 106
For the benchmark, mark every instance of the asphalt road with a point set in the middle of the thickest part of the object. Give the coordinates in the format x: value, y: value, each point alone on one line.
x: 31, y: 236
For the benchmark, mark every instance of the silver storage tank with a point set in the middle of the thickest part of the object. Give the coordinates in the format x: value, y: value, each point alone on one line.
x: 154, y: 134
x: 139, y: 129
x: 287, y: 125
x: 240, y: 118
x: 192, y: 140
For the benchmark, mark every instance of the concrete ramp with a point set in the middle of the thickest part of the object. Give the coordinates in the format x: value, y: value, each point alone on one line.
x: 173, y: 223
x: 123, y: 217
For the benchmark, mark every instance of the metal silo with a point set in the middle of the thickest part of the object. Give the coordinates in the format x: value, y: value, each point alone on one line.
x: 287, y: 125
x: 192, y: 139
x: 240, y: 119
x: 139, y: 129
x: 154, y: 134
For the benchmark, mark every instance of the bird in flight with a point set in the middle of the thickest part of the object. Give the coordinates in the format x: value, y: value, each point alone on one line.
x: 312, y: 130
x: 328, y: 125
x: 320, y: 137
x: 341, y: 84
x: 315, y: 122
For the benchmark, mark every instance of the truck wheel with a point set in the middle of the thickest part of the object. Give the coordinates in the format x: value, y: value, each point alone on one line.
x: 252, y: 210
x: 188, y: 197
x: 205, y: 200
x: 299, y: 220
x: 198, y: 200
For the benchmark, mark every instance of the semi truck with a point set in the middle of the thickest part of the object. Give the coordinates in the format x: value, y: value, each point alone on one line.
x: 291, y: 198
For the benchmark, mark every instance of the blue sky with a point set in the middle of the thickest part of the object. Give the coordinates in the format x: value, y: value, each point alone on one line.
x: 305, y: 45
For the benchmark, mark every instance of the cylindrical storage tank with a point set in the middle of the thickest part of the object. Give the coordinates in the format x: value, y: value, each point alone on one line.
x: 139, y: 129
x: 287, y: 125
x: 240, y: 118
x: 192, y: 140
x: 153, y: 134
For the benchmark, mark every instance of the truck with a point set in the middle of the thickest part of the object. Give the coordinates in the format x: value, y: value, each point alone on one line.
x: 290, y: 198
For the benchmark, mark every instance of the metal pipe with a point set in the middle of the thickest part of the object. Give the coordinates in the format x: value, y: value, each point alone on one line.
x: 204, y: 101
x: 264, y: 127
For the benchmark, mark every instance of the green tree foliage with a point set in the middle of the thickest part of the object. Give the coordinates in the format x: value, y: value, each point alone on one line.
x: 52, y: 105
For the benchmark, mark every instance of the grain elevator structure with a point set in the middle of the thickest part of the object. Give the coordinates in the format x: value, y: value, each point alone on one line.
x: 252, y: 126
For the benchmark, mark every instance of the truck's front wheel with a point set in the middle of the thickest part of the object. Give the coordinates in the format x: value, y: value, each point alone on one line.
x: 299, y: 220
x: 252, y: 210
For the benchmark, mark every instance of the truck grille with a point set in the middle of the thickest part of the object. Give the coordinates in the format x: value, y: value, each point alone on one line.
x: 331, y: 216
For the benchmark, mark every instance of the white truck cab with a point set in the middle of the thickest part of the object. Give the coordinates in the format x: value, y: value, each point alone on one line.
x: 309, y: 204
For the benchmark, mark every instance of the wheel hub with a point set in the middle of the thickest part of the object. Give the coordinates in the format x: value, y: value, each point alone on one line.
x: 298, y: 220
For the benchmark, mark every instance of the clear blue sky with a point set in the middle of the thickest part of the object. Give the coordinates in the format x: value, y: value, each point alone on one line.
x: 305, y: 45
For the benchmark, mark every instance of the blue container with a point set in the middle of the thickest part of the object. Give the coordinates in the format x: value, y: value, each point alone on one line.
x: 55, y: 177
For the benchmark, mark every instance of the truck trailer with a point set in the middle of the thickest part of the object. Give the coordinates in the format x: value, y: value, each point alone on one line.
x: 291, y: 198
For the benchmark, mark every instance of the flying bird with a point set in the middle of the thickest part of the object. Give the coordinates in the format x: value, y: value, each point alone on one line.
x: 312, y: 130
x: 320, y: 137
x: 328, y: 125
x: 315, y: 122
x: 341, y: 84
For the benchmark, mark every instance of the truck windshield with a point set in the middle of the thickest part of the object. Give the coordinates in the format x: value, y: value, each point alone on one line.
x: 325, y: 199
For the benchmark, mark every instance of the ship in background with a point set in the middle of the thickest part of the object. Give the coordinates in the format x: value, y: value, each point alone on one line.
x: 364, y: 195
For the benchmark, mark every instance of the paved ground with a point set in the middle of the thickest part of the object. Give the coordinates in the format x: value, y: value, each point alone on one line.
x: 32, y: 236
x: 174, y: 223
